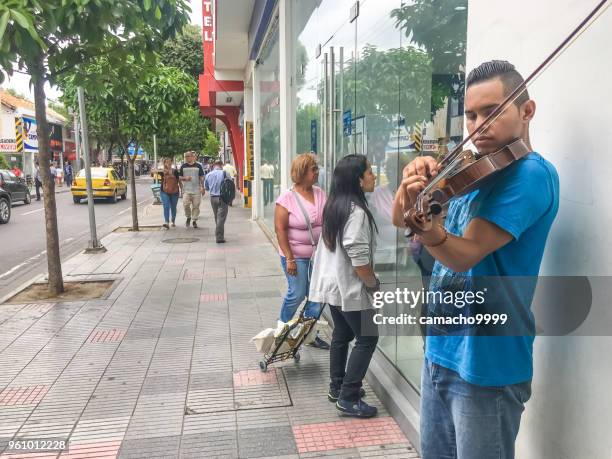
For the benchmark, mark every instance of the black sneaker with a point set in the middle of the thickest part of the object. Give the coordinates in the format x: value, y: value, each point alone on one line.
x: 195, y: 224
x: 358, y: 409
x: 187, y: 222
x: 333, y: 394
x: 320, y: 344
x: 165, y: 225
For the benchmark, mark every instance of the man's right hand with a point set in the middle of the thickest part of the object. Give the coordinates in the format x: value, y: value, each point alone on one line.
x: 416, y: 175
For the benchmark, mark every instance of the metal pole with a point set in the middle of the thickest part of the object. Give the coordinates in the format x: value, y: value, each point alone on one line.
x: 155, y: 157
x: 77, y: 144
x: 94, y: 245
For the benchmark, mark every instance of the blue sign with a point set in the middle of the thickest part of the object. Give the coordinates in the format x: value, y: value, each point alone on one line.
x: 347, y: 120
x: 131, y: 150
x: 313, y: 136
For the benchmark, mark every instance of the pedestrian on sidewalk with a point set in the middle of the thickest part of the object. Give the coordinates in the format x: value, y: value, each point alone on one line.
x: 192, y: 176
x: 343, y: 277
x: 298, y: 219
x: 68, y: 173
x: 37, y: 180
x: 212, y: 184
x: 267, y: 176
x: 169, y: 191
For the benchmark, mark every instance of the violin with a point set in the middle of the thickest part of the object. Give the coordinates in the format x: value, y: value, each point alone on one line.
x: 462, y: 171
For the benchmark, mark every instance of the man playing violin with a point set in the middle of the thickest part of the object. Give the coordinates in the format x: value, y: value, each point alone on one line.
x: 474, y: 387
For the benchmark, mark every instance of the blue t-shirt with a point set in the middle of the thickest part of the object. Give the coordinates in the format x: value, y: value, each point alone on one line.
x: 523, y: 200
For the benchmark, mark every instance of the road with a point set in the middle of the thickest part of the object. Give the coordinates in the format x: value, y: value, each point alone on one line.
x: 23, y: 240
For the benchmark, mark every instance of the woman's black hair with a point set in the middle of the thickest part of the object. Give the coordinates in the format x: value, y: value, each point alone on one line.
x: 345, y: 191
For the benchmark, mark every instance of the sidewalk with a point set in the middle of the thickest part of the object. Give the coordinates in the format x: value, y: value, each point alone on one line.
x: 163, y: 366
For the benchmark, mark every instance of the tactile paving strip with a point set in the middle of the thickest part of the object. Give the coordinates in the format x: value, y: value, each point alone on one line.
x: 23, y: 395
x: 113, y: 335
x: 347, y: 434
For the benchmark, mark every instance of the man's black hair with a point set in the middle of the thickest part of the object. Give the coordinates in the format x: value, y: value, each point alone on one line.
x: 503, y: 70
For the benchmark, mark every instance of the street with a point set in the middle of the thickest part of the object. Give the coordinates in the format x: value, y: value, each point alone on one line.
x: 23, y: 238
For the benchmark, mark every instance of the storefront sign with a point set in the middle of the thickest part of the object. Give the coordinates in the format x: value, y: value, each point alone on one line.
x: 207, y: 26
x: 347, y: 121
x: 29, y: 134
x: 248, y: 129
x: 430, y: 145
x: 7, y: 145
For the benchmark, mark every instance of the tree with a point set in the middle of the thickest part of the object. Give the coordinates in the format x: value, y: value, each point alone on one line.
x: 381, y: 78
x: 438, y: 26
x: 132, y: 111
x: 3, y: 163
x: 185, y: 52
x: 186, y: 130
x: 211, y: 145
x: 48, y: 38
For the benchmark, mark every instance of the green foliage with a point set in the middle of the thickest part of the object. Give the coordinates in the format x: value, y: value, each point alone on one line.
x: 304, y: 115
x: 66, y: 33
x: 185, y: 52
x: 3, y: 162
x: 211, y: 145
x: 187, y: 130
x: 439, y: 26
x: 155, y: 100
x: 58, y: 107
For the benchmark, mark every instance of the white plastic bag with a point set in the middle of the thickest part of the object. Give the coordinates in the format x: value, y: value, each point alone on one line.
x: 264, y: 340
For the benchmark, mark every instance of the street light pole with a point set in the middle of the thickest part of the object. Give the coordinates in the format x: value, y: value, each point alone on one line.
x: 94, y: 244
x: 77, y: 142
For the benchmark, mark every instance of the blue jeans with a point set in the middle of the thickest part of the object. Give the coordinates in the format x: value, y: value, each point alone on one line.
x: 169, y: 201
x: 460, y: 420
x: 297, y: 291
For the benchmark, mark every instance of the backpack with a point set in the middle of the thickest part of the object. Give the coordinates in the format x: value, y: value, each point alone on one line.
x: 228, y: 190
x: 170, y: 184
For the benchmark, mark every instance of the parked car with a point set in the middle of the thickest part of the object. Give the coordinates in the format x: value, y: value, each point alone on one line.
x: 15, y: 186
x: 105, y: 182
x: 5, y: 206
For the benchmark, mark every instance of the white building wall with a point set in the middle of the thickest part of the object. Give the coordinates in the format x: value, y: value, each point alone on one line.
x: 569, y: 413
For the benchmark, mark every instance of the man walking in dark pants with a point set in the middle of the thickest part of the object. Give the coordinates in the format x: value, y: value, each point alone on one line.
x: 212, y: 184
x: 37, y: 181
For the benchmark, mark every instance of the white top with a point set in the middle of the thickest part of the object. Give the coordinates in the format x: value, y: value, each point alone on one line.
x: 267, y: 171
x: 334, y: 280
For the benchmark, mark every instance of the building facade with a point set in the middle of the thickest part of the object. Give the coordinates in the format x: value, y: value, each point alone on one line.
x: 386, y: 78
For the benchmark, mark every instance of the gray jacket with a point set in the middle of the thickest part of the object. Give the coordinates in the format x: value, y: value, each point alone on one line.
x: 333, y: 280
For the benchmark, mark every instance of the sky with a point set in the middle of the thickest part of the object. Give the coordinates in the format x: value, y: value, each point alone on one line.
x: 21, y: 82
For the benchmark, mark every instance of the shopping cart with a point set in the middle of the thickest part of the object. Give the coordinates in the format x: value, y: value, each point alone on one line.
x: 287, y: 344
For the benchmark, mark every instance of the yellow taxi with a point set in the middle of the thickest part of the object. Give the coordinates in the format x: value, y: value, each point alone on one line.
x: 105, y: 182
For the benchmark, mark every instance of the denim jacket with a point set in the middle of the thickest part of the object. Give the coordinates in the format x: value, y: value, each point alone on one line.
x: 334, y: 280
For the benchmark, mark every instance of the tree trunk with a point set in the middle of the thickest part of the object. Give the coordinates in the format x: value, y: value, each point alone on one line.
x: 131, y: 161
x: 54, y: 264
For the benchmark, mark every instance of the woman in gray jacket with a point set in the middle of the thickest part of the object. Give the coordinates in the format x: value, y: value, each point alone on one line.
x: 343, y: 277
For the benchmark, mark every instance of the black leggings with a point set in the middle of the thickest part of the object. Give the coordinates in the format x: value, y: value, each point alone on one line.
x: 348, y: 326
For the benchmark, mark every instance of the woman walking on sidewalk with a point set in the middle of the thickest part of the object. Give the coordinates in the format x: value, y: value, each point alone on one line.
x: 298, y: 218
x: 343, y: 276
x: 169, y: 192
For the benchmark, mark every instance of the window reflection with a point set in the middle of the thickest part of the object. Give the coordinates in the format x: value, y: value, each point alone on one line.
x: 269, y: 111
x: 396, y: 75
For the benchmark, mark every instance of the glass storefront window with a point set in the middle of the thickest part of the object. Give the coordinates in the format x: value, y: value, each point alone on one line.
x: 268, y: 70
x: 388, y: 85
